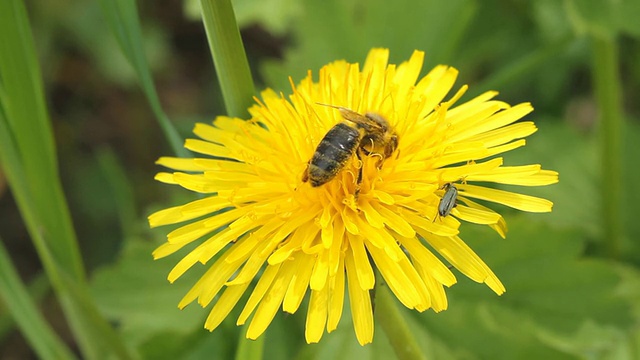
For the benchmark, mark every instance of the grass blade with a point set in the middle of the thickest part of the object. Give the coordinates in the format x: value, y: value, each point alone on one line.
x: 38, y: 288
x: 27, y: 117
x: 36, y: 330
x: 92, y: 332
x: 122, y: 17
x: 27, y: 157
x: 229, y: 56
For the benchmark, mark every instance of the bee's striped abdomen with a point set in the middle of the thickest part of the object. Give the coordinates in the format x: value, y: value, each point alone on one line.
x: 332, y: 154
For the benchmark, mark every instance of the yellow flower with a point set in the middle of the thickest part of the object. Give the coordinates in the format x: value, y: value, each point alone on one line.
x: 260, y: 221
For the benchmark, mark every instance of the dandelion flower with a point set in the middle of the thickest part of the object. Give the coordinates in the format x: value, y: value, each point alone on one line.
x: 258, y: 219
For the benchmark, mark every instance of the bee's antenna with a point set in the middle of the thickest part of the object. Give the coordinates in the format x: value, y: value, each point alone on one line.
x: 332, y: 106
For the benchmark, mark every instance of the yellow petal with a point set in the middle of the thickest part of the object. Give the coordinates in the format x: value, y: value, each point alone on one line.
x: 407, y: 291
x: 299, y: 284
x: 224, y: 305
x: 476, y: 216
x: 360, y: 301
x: 179, y: 164
x: 316, y: 315
x: 336, y: 297
x: 365, y: 275
x: 421, y: 255
x: 263, y: 285
x: 514, y: 200
x: 271, y: 302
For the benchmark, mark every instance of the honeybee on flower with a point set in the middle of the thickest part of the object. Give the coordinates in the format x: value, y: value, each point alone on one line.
x: 260, y: 219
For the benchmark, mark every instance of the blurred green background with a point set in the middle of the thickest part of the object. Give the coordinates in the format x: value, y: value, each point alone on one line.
x: 572, y: 276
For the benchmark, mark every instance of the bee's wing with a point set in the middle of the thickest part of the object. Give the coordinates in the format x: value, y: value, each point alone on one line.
x: 363, y: 121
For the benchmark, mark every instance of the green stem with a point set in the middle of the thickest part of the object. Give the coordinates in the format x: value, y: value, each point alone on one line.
x: 250, y: 349
x: 395, y: 325
x: 228, y: 54
x: 605, y: 73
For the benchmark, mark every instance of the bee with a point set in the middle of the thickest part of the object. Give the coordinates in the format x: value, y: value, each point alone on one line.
x: 448, y: 201
x: 356, y: 134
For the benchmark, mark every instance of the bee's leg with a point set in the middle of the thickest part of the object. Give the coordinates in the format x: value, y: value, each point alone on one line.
x: 359, y: 180
x: 305, y: 174
x: 435, y: 216
x: 380, y: 161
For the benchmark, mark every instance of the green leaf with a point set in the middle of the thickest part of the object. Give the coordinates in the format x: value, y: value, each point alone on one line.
x: 605, y: 18
x: 274, y: 15
x: 575, y: 156
x: 627, y: 15
x: 342, y: 344
x: 199, y: 344
x: 552, y: 296
x: 27, y: 156
x: 134, y: 292
x: 330, y: 30
x: 120, y: 189
x: 29, y: 135
x: 33, y: 326
x: 228, y: 56
x: 577, y: 197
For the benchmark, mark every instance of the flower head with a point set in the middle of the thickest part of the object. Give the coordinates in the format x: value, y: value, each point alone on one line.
x: 398, y: 214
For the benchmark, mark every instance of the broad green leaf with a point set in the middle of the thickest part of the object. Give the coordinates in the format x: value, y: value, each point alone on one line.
x: 274, y: 15
x: 342, y: 344
x: 134, y: 292
x: 552, y: 296
x: 484, y: 330
x: 199, y: 344
x: 578, y: 195
x: 331, y: 30
x: 627, y: 14
x: 120, y: 189
x: 605, y: 18
x: 285, y: 336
